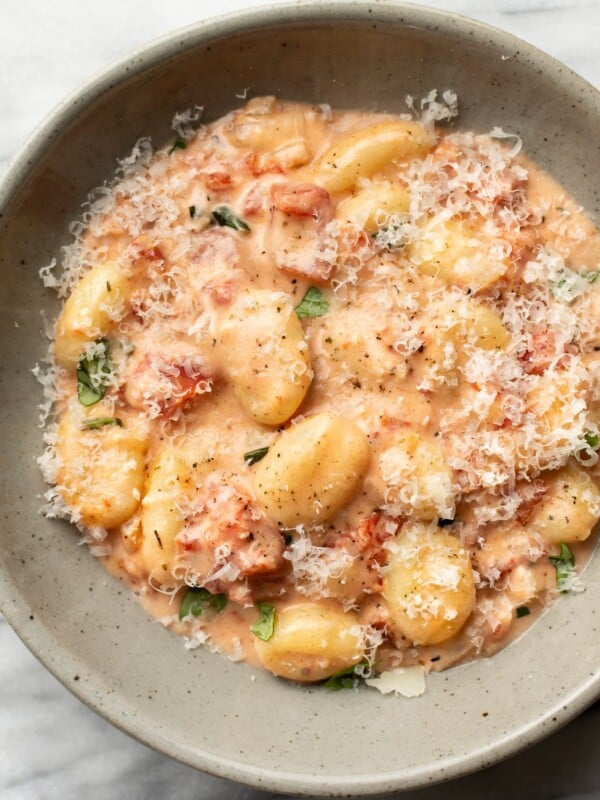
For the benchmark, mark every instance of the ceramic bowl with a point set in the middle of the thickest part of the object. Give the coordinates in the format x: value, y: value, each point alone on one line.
x: 84, y: 625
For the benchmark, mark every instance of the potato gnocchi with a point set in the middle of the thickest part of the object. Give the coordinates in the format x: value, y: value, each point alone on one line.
x: 325, y: 388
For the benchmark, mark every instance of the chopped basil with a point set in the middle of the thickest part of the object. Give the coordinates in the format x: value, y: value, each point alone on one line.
x: 556, y: 286
x: 592, y: 439
x: 96, y: 423
x: 347, y: 678
x: 93, y: 373
x: 252, y: 456
x: 313, y: 304
x: 564, y: 564
x: 196, y: 601
x: 264, y: 627
x: 523, y: 611
x: 178, y: 144
x: 225, y: 217
x: 394, y: 235
x: 192, y: 210
x: 568, y: 284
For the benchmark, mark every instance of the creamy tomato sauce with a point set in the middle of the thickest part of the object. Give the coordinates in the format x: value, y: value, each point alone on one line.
x: 326, y: 388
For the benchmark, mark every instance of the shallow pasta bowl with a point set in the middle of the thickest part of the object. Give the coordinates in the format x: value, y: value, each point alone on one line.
x: 85, y: 627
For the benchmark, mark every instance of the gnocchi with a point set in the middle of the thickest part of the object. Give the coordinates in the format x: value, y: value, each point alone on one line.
x: 368, y: 208
x: 570, y: 509
x: 312, y: 470
x: 168, y: 481
x: 97, y: 302
x: 429, y: 585
x: 311, y: 642
x: 414, y: 479
x: 369, y: 151
x: 271, y: 379
x: 326, y: 389
x: 101, y: 469
x: 459, y: 254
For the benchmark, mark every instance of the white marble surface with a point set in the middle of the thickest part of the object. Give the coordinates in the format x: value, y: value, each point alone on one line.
x: 51, y: 746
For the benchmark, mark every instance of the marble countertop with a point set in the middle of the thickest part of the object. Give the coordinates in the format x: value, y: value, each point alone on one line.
x: 53, y: 747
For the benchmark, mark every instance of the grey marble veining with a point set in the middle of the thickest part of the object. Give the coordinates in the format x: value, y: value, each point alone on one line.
x: 51, y: 746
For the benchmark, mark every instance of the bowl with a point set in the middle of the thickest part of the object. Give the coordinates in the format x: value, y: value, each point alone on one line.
x: 89, y: 631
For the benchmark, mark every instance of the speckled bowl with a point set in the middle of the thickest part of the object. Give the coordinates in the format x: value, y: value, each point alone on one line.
x: 85, y: 626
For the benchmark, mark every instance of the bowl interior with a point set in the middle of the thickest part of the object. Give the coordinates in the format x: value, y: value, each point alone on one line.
x: 83, y: 624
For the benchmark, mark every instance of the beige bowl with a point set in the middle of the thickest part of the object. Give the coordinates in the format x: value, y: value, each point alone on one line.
x: 84, y: 625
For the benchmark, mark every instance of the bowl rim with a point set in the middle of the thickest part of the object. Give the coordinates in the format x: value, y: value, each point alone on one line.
x: 40, y: 641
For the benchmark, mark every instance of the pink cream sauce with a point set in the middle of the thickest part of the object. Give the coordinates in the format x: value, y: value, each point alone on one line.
x: 213, y: 429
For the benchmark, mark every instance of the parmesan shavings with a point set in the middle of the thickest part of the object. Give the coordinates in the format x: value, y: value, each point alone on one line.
x: 498, y: 133
x: 313, y: 567
x: 433, y: 109
x: 185, y: 123
x: 405, y: 681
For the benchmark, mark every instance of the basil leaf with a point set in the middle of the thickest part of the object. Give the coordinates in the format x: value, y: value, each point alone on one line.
x: 93, y: 373
x: 87, y: 396
x: 225, y: 217
x: 523, y: 611
x: 564, y: 564
x: 178, y: 144
x: 346, y: 679
x: 252, y: 456
x: 196, y: 601
x: 592, y: 439
x: 313, y: 304
x: 264, y: 627
x: 96, y: 423
x: 556, y: 286
x: 192, y: 210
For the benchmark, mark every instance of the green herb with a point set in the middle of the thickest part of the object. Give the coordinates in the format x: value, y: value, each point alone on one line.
x: 100, y: 422
x: 93, y: 374
x: 592, y: 439
x: 252, y: 456
x: 264, y: 627
x: 225, y: 217
x: 523, y: 611
x: 347, y: 678
x: 568, y: 285
x: 564, y: 564
x: 178, y: 144
x: 313, y: 304
x: 557, y: 285
x: 192, y: 210
x: 196, y: 601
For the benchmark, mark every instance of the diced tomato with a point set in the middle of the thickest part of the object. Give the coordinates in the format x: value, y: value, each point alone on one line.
x: 143, y: 249
x: 165, y: 386
x: 542, y: 352
x: 302, y: 199
x: 365, y: 542
x: 218, y: 181
x: 228, y: 539
x: 185, y: 388
x: 261, y: 165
